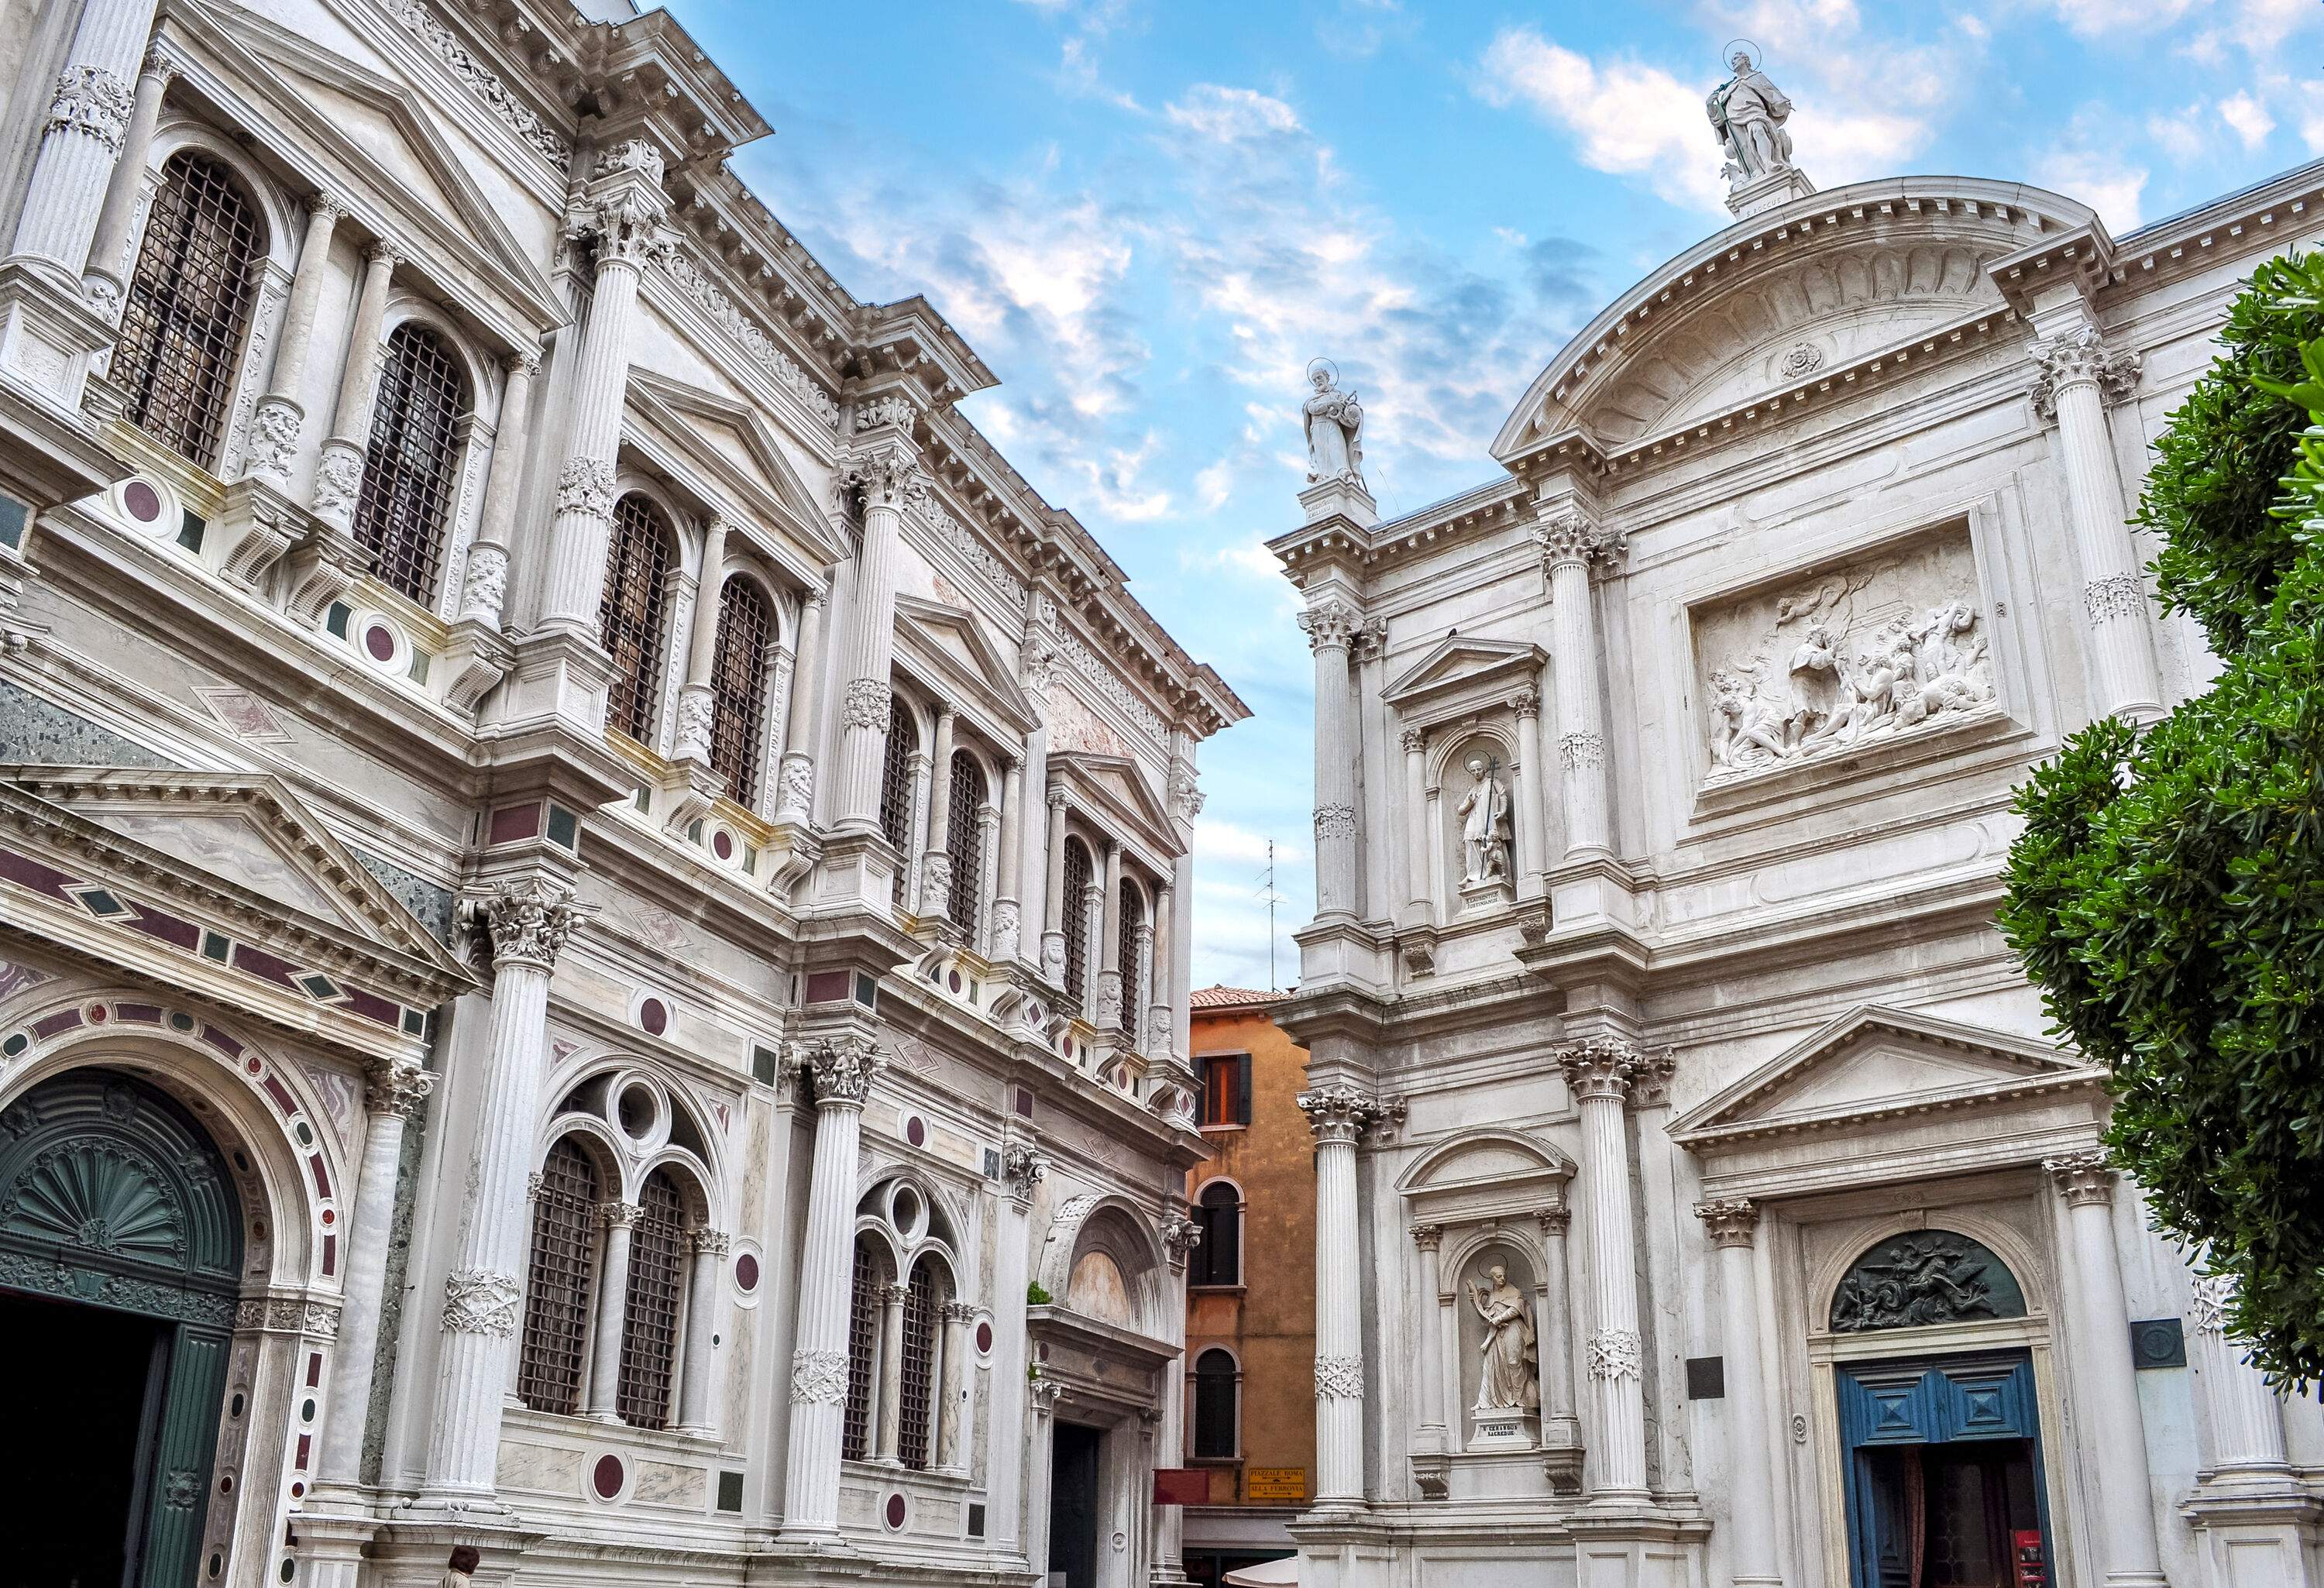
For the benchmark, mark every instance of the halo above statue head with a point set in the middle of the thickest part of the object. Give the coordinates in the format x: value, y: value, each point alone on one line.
x: 1751, y: 51
x: 1330, y: 371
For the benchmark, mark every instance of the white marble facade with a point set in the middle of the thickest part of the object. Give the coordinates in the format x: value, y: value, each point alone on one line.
x: 1799, y: 555
x: 670, y: 934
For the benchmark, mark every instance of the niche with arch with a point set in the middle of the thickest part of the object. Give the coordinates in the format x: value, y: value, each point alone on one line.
x: 1483, y: 873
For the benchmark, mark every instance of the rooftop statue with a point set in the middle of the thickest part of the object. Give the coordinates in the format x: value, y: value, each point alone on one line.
x: 1334, y: 422
x: 1748, y: 111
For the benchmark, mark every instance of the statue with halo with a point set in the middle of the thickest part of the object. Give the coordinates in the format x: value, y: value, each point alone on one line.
x: 1748, y: 111
x: 1334, y: 422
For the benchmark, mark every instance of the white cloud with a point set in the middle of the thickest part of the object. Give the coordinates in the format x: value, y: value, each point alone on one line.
x: 2248, y: 116
x: 1222, y: 841
x: 1625, y: 119
x: 2104, y: 181
x: 1231, y: 116
x: 2092, y: 18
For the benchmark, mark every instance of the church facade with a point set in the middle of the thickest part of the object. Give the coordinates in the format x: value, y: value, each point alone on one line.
x: 593, y: 923
x: 1701, y: 1197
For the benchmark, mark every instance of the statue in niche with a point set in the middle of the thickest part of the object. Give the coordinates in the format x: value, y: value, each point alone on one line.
x: 1508, y: 1377
x: 1334, y: 422
x: 1484, y: 815
x: 1747, y: 113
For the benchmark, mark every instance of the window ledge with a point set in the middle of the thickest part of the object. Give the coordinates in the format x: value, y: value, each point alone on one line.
x: 1221, y: 1130
x: 1237, y: 1290
x: 589, y: 1428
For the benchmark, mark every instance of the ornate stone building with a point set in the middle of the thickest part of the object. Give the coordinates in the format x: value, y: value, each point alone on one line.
x: 1701, y: 1199
x: 593, y: 945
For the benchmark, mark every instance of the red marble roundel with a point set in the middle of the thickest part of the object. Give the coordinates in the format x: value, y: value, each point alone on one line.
x: 895, y: 1510
x: 379, y: 641
x: 607, y: 1479
x: 721, y: 845
x: 143, y: 501
x: 746, y: 1272
x: 653, y: 1014
x: 983, y: 1337
x: 915, y: 1131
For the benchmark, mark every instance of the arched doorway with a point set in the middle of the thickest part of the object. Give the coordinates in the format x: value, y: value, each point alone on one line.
x: 120, y: 1258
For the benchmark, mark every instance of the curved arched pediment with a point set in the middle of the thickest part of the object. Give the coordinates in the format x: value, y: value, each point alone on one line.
x: 1819, y: 285
x: 1486, y: 1174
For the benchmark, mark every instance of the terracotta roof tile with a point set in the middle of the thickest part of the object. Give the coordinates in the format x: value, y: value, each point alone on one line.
x: 1231, y: 997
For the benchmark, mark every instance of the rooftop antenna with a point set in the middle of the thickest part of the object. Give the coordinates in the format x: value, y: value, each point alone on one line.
x: 1273, y: 899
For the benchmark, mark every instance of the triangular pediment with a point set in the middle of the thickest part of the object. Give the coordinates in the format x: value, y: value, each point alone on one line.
x: 1116, y: 782
x: 1873, y: 1063
x: 948, y: 648
x: 1458, y: 663
x: 221, y: 882
x: 731, y: 445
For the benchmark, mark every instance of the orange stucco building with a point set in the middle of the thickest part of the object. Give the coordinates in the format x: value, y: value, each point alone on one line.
x: 1251, y: 1294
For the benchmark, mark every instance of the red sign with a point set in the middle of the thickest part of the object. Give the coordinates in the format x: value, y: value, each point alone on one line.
x: 2025, y: 1545
x: 1182, y: 1486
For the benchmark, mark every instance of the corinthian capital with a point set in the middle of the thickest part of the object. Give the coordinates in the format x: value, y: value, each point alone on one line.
x: 839, y: 1069
x: 1342, y: 1113
x: 1566, y: 533
x: 1331, y: 622
x: 1729, y: 1221
x: 1607, y: 1066
x: 527, y: 922
x: 2081, y: 1176
x: 2076, y: 357
x: 396, y: 1087
x: 887, y: 472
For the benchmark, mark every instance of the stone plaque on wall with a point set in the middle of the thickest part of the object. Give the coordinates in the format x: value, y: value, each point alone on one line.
x: 1847, y: 660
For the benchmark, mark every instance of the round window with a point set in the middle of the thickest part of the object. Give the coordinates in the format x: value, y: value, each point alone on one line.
x: 637, y: 1109
x: 906, y: 1212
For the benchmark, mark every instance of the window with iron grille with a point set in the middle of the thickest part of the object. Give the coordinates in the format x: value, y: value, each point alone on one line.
x: 896, y: 778
x: 649, y: 1311
x: 1214, y: 1405
x: 1217, y: 1258
x: 863, y: 1351
x: 738, y: 682
x: 916, y: 1376
x: 557, y: 1282
x: 964, y: 840
x: 1075, y: 926
x: 413, y: 457
x: 630, y: 616
x: 189, y: 304
x: 1133, y: 988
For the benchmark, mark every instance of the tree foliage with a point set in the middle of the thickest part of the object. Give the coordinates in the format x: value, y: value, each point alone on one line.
x: 2167, y: 893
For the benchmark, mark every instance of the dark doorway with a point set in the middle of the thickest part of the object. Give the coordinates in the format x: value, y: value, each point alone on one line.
x: 74, y: 1481
x: 1952, y: 1512
x: 1073, y: 1505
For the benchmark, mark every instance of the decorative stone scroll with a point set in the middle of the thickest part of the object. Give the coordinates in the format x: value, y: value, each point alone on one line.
x: 1616, y: 1354
x: 1339, y: 1378
x: 1850, y: 660
x: 477, y: 1301
x: 818, y: 1378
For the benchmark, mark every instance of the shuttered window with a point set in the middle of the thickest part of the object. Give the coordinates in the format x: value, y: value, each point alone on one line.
x: 916, y: 1374
x: 862, y: 1349
x: 630, y: 616
x: 187, y: 308
x: 738, y: 681
x: 649, y: 1311
x: 413, y: 459
x: 964, y: 840
x: 1075, y: 925
x: 557, y: 1282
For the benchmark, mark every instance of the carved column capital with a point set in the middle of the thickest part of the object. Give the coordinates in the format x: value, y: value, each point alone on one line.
x: 1731, y: 1220
x: 1525, y: 703
x: 1022, y: 1166
x: 527, y: 922
x: 2082, y: 1178
x: 840, y: 1069
x: 1608, y: 1067
x: 1554, y: 1220
x: 1414, y: 741
x: 2080, y: 356
x: 525, y: 362
x: 619, y: 1215
x: 1342, y: 1113
x: 958, y: 1312
x: 886, y: 472
x: 1180, y: 1236
x: 328, y: 207
x: 392, y: 1086
x: 711, y: 1243
x: 895, y: 1293
x: 1567, y: 534
x: 1332, y: 623
x: 1427, y: 1237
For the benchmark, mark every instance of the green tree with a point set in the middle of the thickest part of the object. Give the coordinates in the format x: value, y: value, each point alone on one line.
x: 2167, y: 893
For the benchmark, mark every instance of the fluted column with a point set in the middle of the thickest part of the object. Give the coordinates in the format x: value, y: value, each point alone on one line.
x: 796, y: 801
x: 2246, y: 1418
x: 840, y: 1070
x: 1339, y: 1116
x: 484, y: 583
x: 952, y: 1396
x: 392, y: 1094
x: 888, y: 1439
x: 619, y: 1220
x: 339, y: 475
x: 1570, y: 543
x: 1053, y: 916
x: 1332, y: 626
x: 697, y: 1401
x: 278, y: 423
x: 697, y: 704
x: 1022, y: 1167
x: 80, y: 141
x: 1416, y: 837
x: 2107, y: 1376
x: 887, y: 472
x: 1532, y: 793
x: 528, y: 922
x: 2076, y: 373
x: 936, y: 863
x: 624, y: 205
x: 107, y: 278
x: 1602, y: 1073
x: 1731, y: 1225
x: 1554, y: 1333
x: 1430, y: 1436
x: 1005, y: 937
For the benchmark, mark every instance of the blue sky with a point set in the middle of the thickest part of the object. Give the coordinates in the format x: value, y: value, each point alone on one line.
x: 1149, y: 215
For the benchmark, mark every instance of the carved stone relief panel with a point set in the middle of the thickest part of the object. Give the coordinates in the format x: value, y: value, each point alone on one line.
x: 1847, y: 660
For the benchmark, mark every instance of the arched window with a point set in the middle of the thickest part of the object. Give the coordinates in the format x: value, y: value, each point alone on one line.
x: 649, y: 1310
x: 414, y: 454
x: 1133, y: 988
x: 896, y: 782
x: 1215, y: 1434
x: 916, y: 1373
x: 189, y: 304
x: 557, y: 1283
x: 1075, y: 925
x: 964, y: 840
x: 862, y: 1352
x: 1217, y: 1258
x: 738, y: 683
x: 630, y: 616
